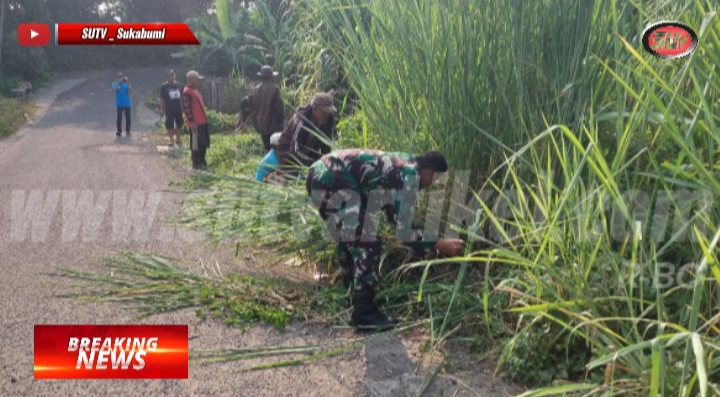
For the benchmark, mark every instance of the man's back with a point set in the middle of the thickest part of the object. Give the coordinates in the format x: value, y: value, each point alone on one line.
x: 298, y: 142
x: 194, y: 106
x: 268, y: 108
x: 373, y: 169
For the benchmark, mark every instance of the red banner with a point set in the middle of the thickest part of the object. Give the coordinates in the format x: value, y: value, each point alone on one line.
x: 152, y: 33
x: 111, y: 352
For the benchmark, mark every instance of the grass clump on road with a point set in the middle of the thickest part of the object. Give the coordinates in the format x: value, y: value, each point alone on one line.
x: 152, y: 285
x: 13, y: 115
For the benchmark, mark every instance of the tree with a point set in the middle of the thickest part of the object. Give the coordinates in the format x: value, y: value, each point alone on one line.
x: 274, y: 25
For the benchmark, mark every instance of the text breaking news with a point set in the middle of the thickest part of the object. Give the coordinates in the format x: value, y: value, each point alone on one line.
x: 111, y: 351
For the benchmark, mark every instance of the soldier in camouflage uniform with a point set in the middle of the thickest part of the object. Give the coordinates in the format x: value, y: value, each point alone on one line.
x: 348, y: 185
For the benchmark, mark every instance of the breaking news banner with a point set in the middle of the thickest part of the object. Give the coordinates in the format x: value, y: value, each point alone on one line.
x: 152, y: 33
x: 111, y: 352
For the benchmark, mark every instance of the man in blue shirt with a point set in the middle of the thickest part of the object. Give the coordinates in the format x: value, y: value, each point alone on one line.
x: 122, y: 90
x: 269, y: 163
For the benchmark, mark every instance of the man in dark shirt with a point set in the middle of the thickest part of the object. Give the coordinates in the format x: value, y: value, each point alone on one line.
x: 268, y: 107
x: 171, y: 106
x: 299, y: 143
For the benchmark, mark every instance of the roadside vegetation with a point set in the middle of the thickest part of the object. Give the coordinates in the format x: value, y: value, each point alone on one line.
x: 13, y: 115
x: 592, y: 172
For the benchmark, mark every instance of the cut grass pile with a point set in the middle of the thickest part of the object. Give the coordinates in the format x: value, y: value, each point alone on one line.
x: 151, y: 285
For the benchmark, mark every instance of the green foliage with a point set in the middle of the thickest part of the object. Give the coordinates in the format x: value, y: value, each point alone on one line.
x: 236, y: 154
x: 13, y: 115
x: 223, y: 16
x: 467, y: 78
x: 541, y: 356
x: 220, y: 122
x: 238, y: 313
x: 22, y: 64
x: 222, y: 53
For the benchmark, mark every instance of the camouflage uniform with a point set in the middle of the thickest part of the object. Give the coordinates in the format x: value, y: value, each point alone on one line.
x: 346, y: 186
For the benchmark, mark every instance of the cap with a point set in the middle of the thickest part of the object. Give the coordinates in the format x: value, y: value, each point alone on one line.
x: 324, y: 101
x: 275, y: 138
x: 195, y: 74
x: 169, y: 72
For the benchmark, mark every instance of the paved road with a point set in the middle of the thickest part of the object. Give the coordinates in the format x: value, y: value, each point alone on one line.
x: 44, y: 172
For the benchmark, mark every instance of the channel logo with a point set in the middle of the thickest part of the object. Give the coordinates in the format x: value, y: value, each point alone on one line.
x: 33, y: 34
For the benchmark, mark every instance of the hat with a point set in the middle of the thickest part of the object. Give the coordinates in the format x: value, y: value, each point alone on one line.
x: 267, y: 71
x: 169, y: 72
x: 275, y: 138
x: 324, y: 101
x: 192, y: 74
x: 120, y: 74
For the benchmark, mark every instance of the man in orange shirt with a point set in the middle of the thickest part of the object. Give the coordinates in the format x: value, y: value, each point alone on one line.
x: 196, y: 120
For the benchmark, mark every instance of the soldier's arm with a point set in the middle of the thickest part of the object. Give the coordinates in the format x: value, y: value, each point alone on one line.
x: 400, y: 214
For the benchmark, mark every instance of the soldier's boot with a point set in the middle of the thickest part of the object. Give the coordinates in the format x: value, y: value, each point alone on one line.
x: 366, y: 314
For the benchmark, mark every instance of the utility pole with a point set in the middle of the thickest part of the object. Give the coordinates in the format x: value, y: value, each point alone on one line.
x: 2, y: 19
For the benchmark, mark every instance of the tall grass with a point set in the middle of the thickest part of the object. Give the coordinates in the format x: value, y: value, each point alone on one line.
x: 474, y: 78
x: 585, y: 143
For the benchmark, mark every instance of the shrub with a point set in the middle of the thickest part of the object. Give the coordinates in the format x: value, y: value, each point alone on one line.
x: 13, y: 115
x: 15, y: 65
x: 220, y: 122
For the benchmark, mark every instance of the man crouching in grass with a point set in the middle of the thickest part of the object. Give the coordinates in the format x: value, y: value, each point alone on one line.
x: 267, y: 171
x: 348, y: 185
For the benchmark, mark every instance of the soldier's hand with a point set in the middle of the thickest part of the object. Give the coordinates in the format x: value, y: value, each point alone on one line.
x: 450, y: 247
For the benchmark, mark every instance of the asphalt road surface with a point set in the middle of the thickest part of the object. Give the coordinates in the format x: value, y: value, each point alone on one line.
x: 70, y: 152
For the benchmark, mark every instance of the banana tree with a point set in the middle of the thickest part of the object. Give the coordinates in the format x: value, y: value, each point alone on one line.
x: 223, y: 17
x: 275, y: 34
x: 222, y: 53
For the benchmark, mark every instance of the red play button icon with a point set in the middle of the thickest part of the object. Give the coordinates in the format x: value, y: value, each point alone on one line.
x: 33, y: 34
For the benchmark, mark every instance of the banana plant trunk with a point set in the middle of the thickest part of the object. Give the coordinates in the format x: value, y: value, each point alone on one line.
x: 223, y: 15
